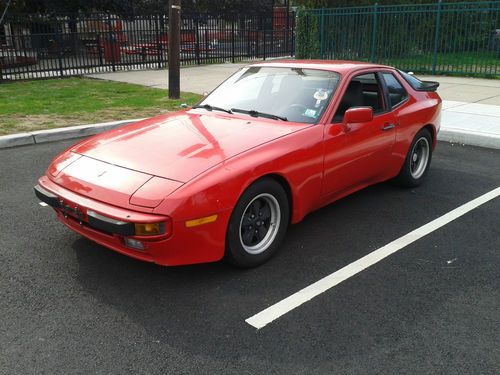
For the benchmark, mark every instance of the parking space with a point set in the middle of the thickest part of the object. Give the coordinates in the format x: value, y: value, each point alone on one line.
x: 69, y: 305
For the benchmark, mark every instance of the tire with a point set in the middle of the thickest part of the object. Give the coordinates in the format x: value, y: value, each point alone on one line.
x: 258, y: 224
x: 417, y: 161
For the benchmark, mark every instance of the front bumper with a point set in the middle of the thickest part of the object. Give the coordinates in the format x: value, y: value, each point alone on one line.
x: 97, y: 223
x: 183, y: 246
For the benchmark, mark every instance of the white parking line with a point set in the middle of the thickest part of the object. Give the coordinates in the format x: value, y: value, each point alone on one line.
x: 43, y: 204
x: 286, y: 305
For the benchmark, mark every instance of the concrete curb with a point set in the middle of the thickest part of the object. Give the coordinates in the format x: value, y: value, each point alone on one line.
x: 14, y: 140
x: 42, y: 136
x: 468, y: 138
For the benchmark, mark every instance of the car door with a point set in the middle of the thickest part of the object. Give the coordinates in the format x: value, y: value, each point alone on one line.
x: 357, y: 154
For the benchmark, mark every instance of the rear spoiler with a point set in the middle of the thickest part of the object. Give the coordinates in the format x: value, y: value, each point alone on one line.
x: 429, y: 86
x: 417, y: 84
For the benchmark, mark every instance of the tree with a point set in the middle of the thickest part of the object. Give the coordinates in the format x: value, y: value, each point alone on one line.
x: 224, y: 7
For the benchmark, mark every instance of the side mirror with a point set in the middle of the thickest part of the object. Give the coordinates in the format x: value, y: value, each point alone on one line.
x: 358, y: 114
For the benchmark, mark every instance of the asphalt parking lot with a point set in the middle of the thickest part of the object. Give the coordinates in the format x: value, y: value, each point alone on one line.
x: 71, y: 306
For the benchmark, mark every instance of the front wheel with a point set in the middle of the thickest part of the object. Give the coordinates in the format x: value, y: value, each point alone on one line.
x: 418, y: 160
x: 258, y: 224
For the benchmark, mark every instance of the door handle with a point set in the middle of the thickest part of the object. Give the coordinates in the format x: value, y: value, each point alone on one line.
x: 388, y: 126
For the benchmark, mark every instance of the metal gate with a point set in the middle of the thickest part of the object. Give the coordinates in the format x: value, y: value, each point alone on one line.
x: 41, y: 46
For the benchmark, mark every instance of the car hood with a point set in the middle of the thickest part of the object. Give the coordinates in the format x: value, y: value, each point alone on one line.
x: 182, y: 145
x: 110, y: 183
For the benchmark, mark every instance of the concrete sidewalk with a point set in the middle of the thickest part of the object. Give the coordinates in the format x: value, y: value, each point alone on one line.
x: 197, y: 79
x: 200, y: 79
x: 468, y: 90
x: 470, y: 123
x: 471, y: 106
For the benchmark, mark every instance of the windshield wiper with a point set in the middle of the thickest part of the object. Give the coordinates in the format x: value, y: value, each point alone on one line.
x: 209, y: 107
x: 254, y: 113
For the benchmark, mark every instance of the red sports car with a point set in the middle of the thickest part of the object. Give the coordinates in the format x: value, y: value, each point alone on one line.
x: 225, y: 178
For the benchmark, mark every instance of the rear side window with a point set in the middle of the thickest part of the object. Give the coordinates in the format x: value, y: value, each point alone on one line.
x: 397, y: 93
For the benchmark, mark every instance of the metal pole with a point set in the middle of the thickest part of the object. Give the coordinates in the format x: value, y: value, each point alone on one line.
x: 436, y: 37
x: 174, y: 40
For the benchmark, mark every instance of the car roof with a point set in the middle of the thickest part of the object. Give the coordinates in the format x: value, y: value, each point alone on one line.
x: 339, y: 66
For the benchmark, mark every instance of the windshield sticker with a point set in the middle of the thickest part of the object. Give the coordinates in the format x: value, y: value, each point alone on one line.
x: 310, y: 113
x: 320, y: 95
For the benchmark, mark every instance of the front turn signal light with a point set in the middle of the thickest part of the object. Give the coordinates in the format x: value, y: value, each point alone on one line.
x: 201, y: 221
x: 149, y: 229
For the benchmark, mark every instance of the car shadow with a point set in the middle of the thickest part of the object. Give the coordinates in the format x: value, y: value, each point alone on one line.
x: 201, y: 308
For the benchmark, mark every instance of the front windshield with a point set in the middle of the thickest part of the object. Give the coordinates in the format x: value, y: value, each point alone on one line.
x: 293, y: 94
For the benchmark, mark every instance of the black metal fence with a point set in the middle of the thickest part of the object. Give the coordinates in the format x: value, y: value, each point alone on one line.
x: 40, y: 46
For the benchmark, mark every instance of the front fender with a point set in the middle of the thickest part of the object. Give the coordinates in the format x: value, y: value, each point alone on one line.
x: 297, y: 158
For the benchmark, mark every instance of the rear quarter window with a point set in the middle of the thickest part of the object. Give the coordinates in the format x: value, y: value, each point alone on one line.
x: 397, y: 93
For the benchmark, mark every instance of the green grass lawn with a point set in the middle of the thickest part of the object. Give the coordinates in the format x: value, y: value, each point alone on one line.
x: 485, y: 65
x: 45, y: 104
x: 468, y: 64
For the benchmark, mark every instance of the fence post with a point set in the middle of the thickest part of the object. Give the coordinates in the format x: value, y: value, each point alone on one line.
x: 99, y: 50
x: 2, y: 42
x: 271, y: 52
x: 206, y: 42
x: 158, y: 44
x: 436, y: 37
x: 374, y: 31
x: 249, y: 36
x: 322, y: 33
x: 497, y: 64
x: 256, y: 43
x: 232, y: 41
x: 197, y: 41
x: 58, y: 42
x: 110, y: 43
x: 164, y: 42
x: 264, y: 43
x: 287, y: 25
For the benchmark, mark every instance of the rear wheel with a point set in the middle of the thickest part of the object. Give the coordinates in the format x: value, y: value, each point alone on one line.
x: 418, y: 160
x: 258, y: 224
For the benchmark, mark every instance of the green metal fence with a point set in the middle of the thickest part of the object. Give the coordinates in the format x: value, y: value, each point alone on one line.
x: 441, y: 38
